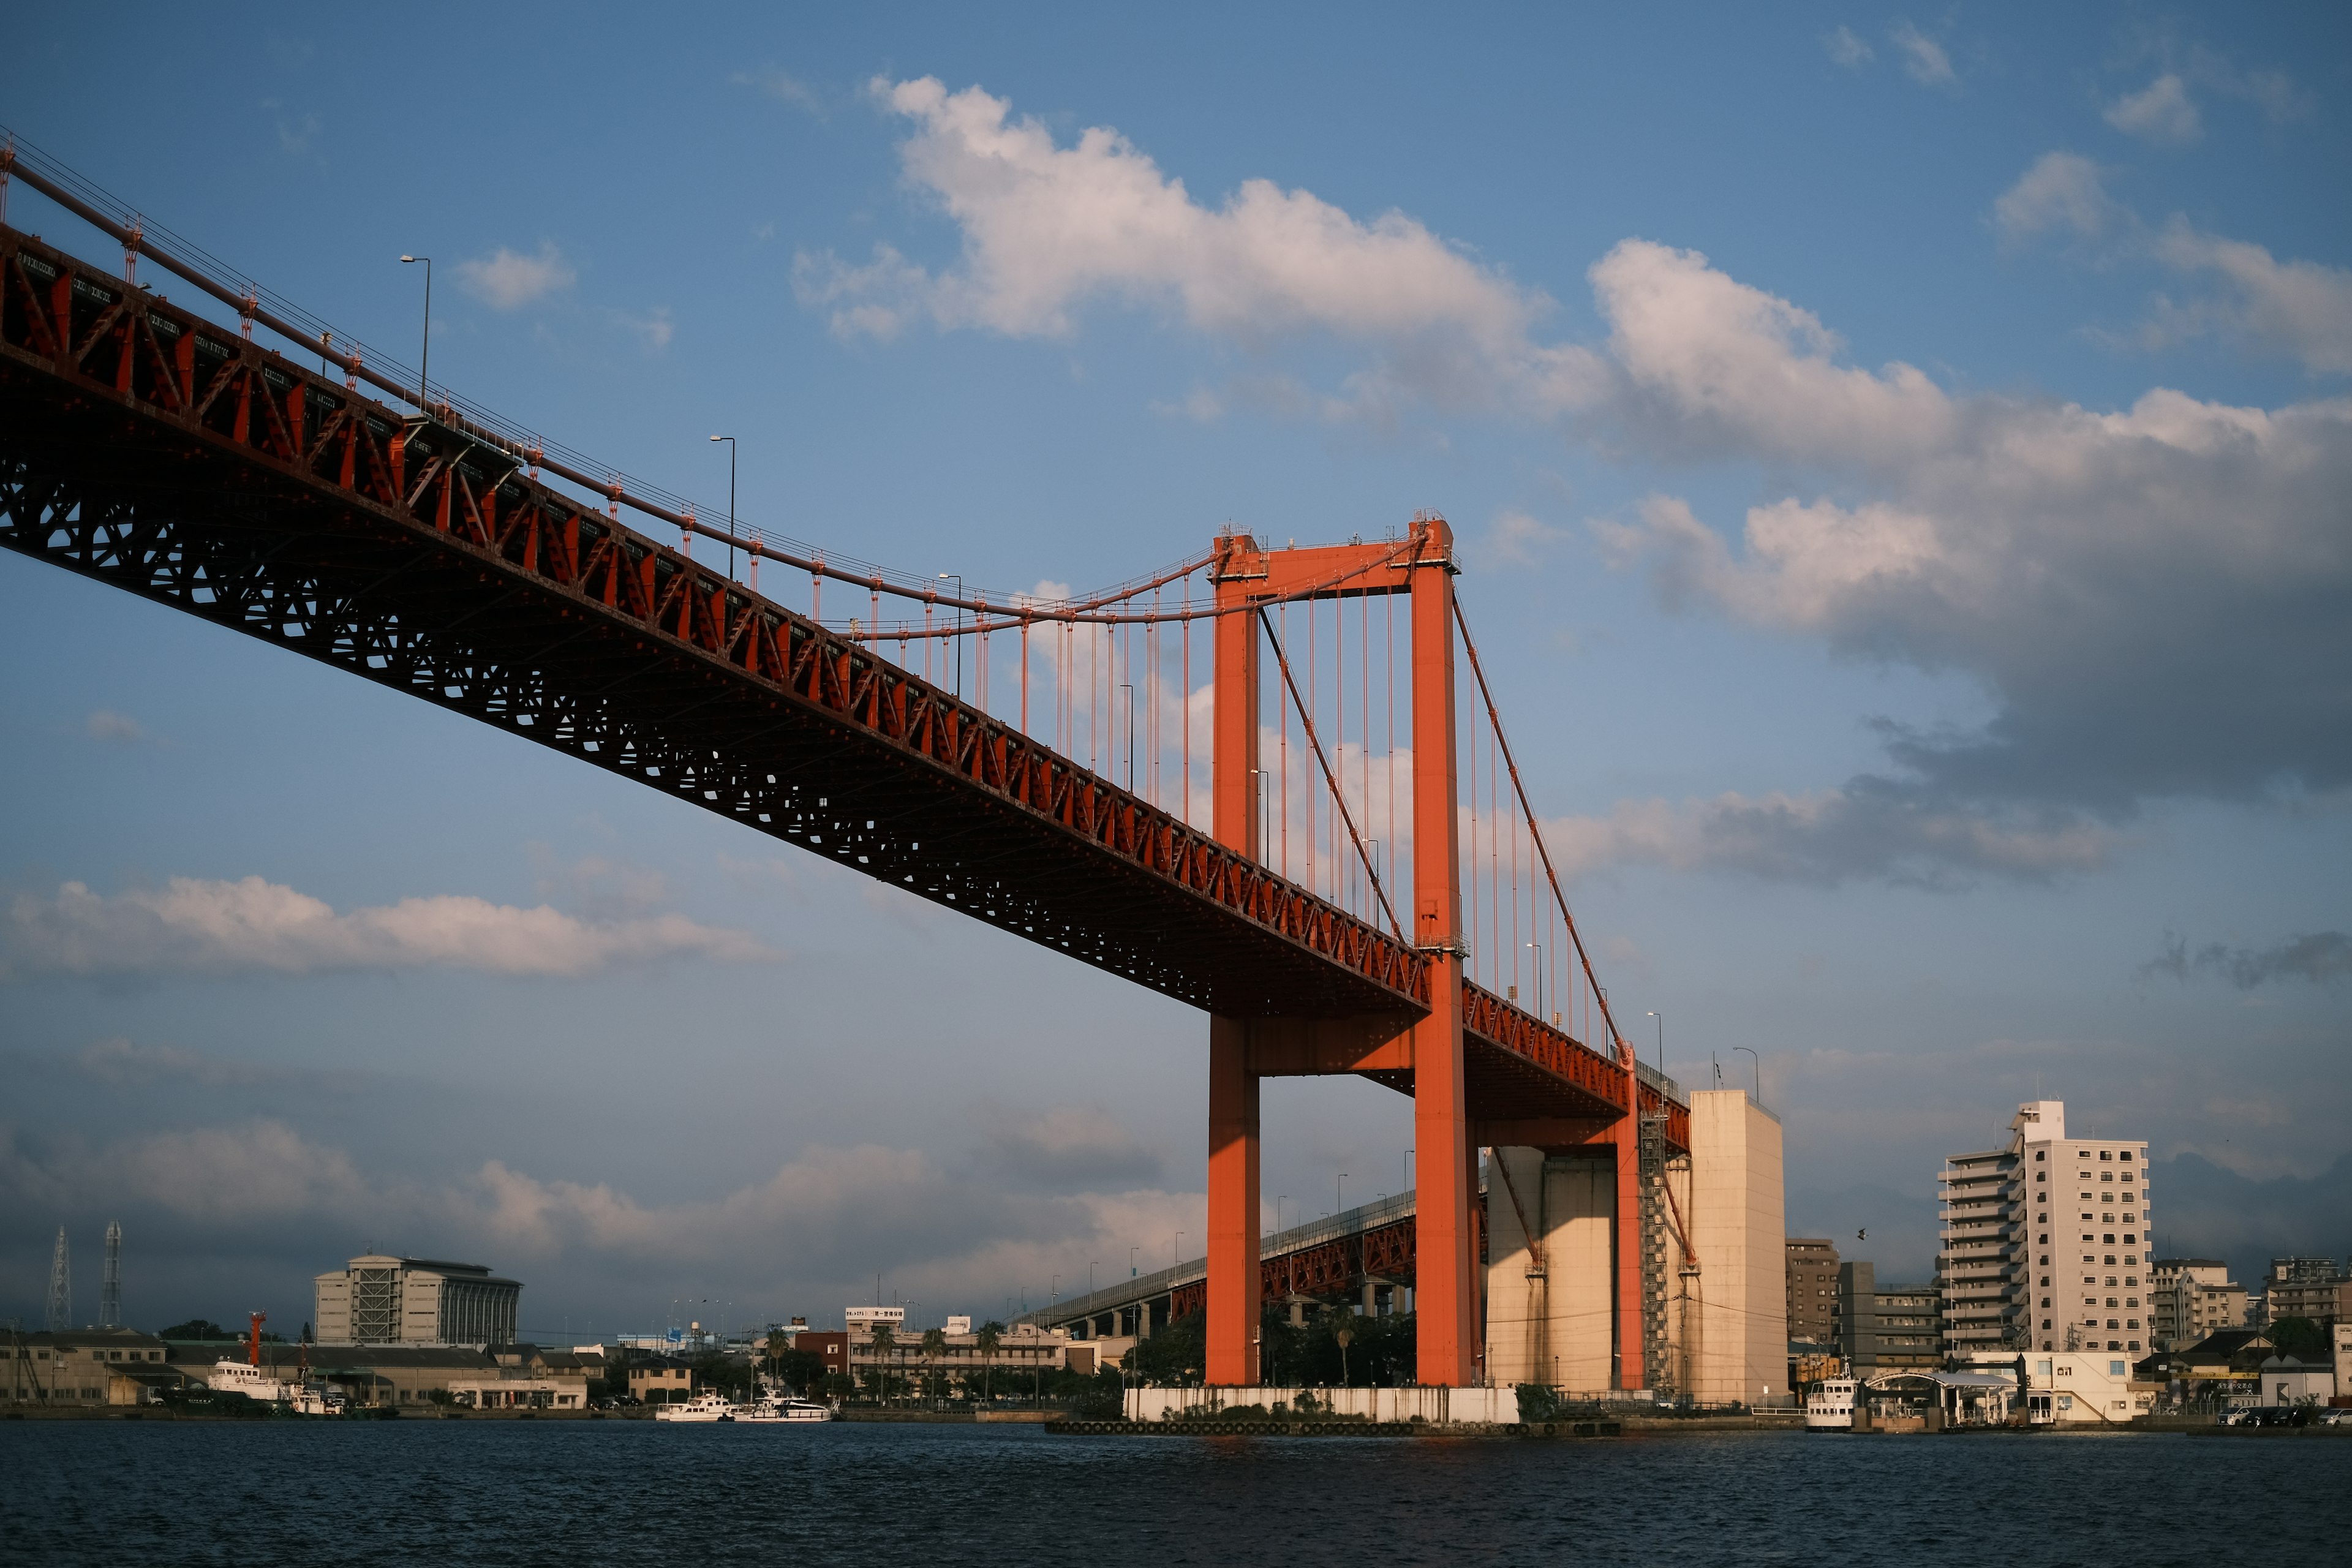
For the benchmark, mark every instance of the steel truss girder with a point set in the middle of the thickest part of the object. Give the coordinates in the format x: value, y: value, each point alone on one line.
x: 244, y: 489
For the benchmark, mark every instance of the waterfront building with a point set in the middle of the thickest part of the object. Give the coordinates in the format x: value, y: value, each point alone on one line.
x: 2190, y: 1297
x: 380, y: 1300
x: 2042, y: 1241
x: 1550, y: 1322
x: 1886, y: 1328
x: 659, y: 1379
x: 85, y: 1367
x: 1813, y: 1288
x: 2313, y: 1288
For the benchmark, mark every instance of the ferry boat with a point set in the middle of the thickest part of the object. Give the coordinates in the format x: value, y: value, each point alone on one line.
x: 708, y: 1405
x: 1830, y: 1407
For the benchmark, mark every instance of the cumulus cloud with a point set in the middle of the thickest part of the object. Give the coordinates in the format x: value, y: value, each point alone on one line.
x: 2061, y: 191
x: 2092, y: 570
x: 1050, y: 229
x: 2320, y: 957
x: 1924, y: 58
x: 2303, y: 308
x: 118, y: 1059
x: 192, y: 925
x: 2162, y: 112
x: 1846, y: 48
x: 507, y: 279
x: 654, y: 328
x: 2095, y: 572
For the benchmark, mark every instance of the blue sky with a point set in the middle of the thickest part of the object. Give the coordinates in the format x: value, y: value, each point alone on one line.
x: 1899, y: 457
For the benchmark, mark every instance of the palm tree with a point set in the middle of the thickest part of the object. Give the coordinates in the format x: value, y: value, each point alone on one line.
x: 883, y: 1337
x: 988, y: 1341
x: 778, y: 1343
x: 935, y: 1345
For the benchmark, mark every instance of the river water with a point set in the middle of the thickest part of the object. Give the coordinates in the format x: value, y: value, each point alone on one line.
x: 465, y: 1493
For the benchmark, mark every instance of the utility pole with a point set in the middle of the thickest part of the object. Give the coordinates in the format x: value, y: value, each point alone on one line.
x: 109, y: 1287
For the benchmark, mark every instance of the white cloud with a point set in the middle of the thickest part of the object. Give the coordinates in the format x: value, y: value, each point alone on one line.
x: 1049, y: 231
x: 1519, y: 538
x: 2302, y: 307
x: 1866, y: 830
x: 653, y: 329
x: 507, y: 279
x: 106, y: 724
x: 1923, y: 57
x: 2162, y: 112
x: 1846, y: 48
x: 196, y: 926
x: 781, y: 86
x: 1710, y: 361
x: 2061, y: 191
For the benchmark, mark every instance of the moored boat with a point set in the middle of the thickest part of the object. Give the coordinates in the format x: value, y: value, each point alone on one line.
x: 1830, y: 1407
x: 708, y: 1405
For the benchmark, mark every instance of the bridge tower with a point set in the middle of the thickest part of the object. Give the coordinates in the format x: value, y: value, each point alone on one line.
x: 1242, y: 1051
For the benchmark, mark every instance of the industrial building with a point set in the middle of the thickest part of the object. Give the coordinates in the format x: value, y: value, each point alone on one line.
x: 1551, y: 1218
x: 379, y: 1300
x: 85, y: 1367
x: 2043, y: 1242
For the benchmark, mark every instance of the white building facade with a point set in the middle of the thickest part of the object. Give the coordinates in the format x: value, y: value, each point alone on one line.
x: 380, y: 1300
x: 2045, y: 1243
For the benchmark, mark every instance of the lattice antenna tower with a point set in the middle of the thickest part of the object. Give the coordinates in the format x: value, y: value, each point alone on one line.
x: 110, y: 1285
x: 60, y: 1288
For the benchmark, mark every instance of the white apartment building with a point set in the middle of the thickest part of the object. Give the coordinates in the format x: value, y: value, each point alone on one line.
x: 2044, y: 1243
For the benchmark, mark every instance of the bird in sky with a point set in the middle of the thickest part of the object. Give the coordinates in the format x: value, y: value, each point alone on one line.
x: 1862, y: 1235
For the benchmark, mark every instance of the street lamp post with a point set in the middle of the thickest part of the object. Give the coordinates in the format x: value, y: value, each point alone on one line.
x: 957, y: 580
x: 1537, y: 963
x: 1760, y: 1072
x: 1337, y: 1184
x: 1660, y: 1017
x: 731, y: 501
x: 425, y: 356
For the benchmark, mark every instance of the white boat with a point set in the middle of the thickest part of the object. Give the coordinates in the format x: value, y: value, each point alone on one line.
x: 708, y: 1405
x: 775, y: 1408
x: 316, y: 1399
x: 232, y: 1376
x: 1830, y: 1407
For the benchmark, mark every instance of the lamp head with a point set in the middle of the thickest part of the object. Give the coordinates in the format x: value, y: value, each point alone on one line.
x: 408, y: 258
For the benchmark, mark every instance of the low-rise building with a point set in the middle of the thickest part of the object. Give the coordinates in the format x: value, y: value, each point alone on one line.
x: 659, y: 1379
x: 86, y: 1366
x: 2290, y: 1380
x: 1022, y: 1349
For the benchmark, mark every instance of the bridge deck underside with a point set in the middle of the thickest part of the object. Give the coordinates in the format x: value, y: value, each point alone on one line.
x: 142, y: 447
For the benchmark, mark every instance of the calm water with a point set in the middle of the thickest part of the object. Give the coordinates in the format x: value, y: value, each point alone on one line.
x: 467, y: 1493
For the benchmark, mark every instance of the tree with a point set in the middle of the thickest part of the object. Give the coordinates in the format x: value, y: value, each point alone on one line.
x: 1177, y: 1356
x: 882, y: 1338
x: 935, y: 1345
x: 2299, y: 1337
x: 778, y: 1343
x: 988, y: 1341
x: 195, y: 1329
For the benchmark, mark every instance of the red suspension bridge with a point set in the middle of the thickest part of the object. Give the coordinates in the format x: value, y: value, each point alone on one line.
x: 1311, y: 844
